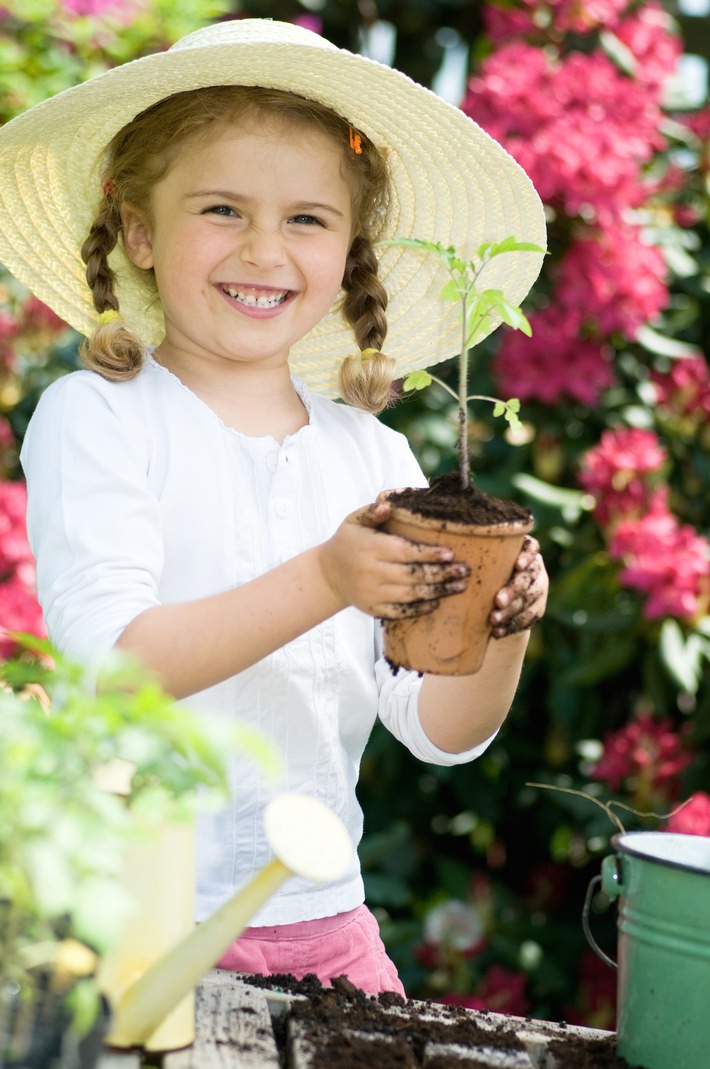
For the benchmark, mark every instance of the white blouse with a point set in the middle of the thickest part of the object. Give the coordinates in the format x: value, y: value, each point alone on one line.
x: 138, y: 495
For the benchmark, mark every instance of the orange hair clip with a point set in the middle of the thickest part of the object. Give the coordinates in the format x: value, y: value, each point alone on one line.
x: 355, y: 142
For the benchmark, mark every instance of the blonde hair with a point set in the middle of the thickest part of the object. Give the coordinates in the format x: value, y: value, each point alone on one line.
x: 142, y: 153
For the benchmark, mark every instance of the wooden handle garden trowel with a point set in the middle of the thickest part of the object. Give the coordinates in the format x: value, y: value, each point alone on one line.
x: 308, y: 840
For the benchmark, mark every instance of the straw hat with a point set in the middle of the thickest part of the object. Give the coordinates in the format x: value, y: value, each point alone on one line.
x: 452, y: 183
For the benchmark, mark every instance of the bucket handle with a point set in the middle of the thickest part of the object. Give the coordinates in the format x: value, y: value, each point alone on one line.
x: 591, y: 888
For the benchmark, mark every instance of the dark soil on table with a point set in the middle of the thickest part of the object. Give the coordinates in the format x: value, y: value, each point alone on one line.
x: 445, y: 499
x: 333, y: 1017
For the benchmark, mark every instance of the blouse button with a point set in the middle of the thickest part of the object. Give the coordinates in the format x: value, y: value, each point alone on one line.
x: 283, y: 507
x: 272, y: 461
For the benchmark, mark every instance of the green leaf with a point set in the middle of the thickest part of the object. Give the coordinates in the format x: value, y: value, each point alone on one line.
x: 654, y: 342
x: 618, y: 52
x: 682, y: 655
x: 451, y: 291
x: 84, y: 1003
x: 417, y: 380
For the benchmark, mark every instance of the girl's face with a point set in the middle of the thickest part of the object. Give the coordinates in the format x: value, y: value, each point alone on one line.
x: 248, y: 238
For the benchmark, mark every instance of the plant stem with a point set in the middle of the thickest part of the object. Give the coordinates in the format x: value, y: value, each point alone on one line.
x: 464, y: 468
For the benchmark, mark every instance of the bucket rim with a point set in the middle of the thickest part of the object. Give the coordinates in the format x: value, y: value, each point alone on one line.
x: 623, y: 843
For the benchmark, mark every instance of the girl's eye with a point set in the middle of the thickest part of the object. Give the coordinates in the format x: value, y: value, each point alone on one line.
x: 221, y: 209
x: 306, y: 220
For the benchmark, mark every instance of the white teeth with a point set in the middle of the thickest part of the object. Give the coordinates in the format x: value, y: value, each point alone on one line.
x: 252, y: 301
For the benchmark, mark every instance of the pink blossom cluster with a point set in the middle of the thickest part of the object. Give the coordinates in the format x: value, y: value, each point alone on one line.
x: 586, y: 128
x: 19, y: 608
x: 123, y: 12
x: 557, y: 361
x: 581, y: 128
x: 644, y: 758
x: 9, y: 329
x: 608, y: 282
x: 667, y: 562
x: 694, y: 817
x: 644, y: 29
x: 685, y: 388
x: 620, y: 473
x: 539, y: 18
x: 615, y: 279
x: 27, y: 324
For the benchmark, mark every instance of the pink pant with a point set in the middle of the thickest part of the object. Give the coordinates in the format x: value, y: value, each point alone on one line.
x: 348, y: 944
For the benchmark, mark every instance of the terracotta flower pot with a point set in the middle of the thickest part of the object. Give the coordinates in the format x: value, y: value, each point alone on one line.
x: 453, y: 639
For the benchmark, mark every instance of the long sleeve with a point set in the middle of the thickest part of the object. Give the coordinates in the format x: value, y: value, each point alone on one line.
x: 93, y: 524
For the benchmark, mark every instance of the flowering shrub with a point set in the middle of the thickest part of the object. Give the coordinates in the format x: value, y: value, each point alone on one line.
x: 615, y: 391
x: 616, y: 472
x: 665, y: 561
x: 693, y: 818
x: 644, y: 759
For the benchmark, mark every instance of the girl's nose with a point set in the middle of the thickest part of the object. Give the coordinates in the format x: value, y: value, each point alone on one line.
x: 263, y: 249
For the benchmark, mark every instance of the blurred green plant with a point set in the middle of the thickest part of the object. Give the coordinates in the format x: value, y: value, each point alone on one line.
x: 62, y: 834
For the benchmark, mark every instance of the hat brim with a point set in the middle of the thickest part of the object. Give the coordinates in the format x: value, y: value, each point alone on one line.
x: 452, y: 184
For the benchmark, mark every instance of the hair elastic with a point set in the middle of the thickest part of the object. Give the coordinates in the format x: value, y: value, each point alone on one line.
x: 109, y: 316
x: 108, y: 187
x: 365, y: 354
x: 355, y: 142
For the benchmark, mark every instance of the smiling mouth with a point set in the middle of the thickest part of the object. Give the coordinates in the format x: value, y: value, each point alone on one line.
x: 253, y: 298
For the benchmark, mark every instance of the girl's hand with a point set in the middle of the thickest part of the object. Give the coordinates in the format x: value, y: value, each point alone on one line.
x: 385, y: 575
x: 521, y: 602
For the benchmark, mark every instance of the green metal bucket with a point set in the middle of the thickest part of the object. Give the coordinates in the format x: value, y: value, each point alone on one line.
x: 662, y: 881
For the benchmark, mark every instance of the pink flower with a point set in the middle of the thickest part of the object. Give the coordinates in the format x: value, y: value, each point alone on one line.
x: 645, y: 757
x: 648, y: 34
x: 534, y: 19
x: 685, y: 387
x: 614, y: 279
x: 19, y: 611
x: 667, y: 562
x: 556, y: 363
x: 37, y: 316
x: 15, y: 553
x: 581, y: 129
x: 504, y: 23
x: 309, y: 22
x: 500, y: 991
x: 616, y: 472
x: 693, y: 818
x: 90, y: 7
x: 8, y: 333
x: 571, y: 16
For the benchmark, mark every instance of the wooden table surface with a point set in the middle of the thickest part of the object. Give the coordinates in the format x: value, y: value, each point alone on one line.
x: 234, y: 1030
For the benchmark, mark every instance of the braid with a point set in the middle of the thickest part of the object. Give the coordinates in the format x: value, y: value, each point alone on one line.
x: 95, y: 251
x: 365, y: 296
x: 112, y: 350
x: 366, y: 380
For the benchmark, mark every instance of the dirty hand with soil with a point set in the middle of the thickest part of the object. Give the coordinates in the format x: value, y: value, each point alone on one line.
x: 521, y: 603
x: 392, y: 578
x: 384, y: 575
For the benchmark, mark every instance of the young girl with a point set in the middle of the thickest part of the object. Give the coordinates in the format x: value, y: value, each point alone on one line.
x: 196, y: 499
